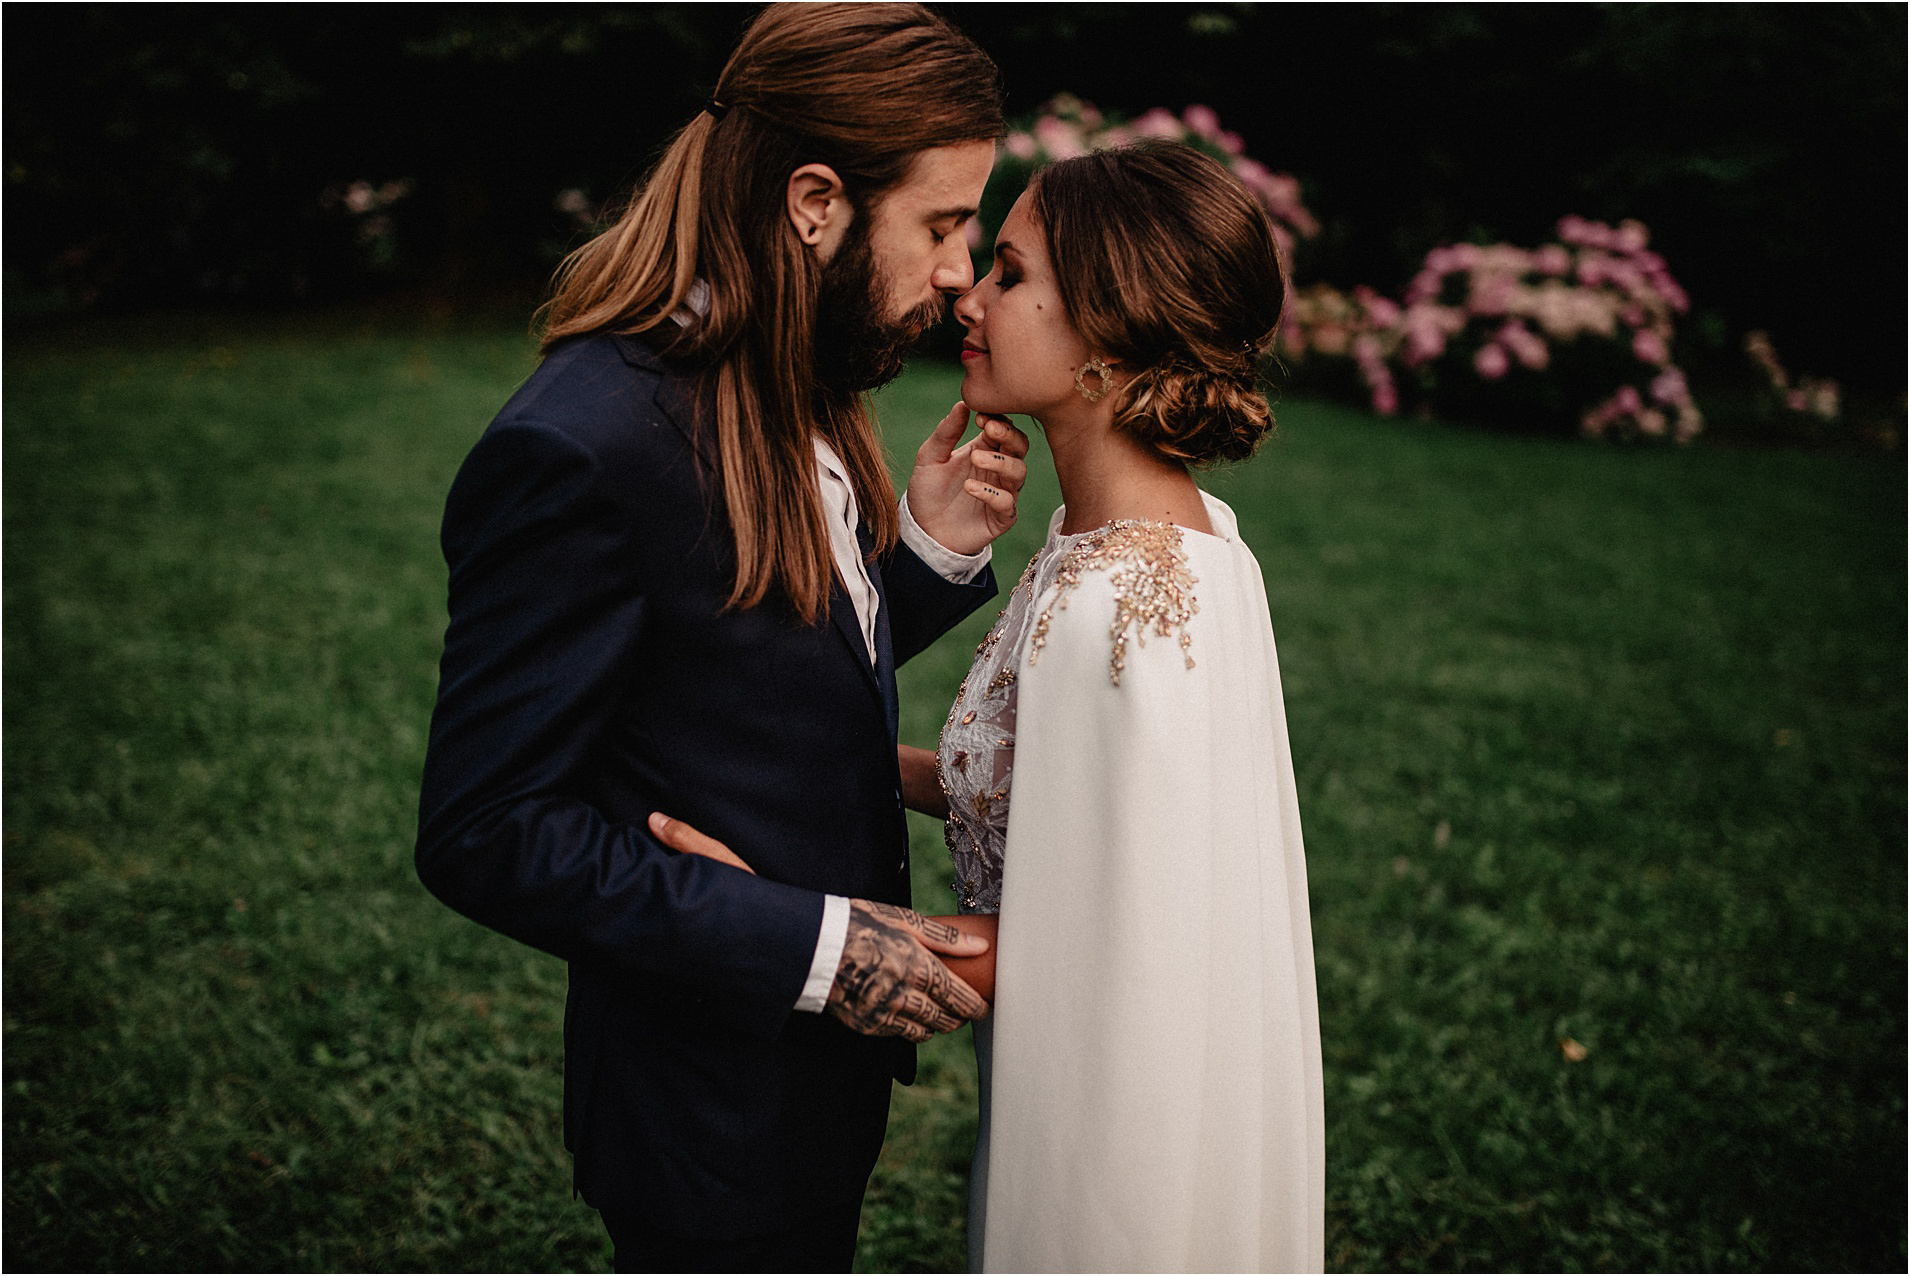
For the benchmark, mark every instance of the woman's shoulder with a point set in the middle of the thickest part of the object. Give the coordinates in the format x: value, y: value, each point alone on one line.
x: 1113, y: 589
x: 1127, y: 581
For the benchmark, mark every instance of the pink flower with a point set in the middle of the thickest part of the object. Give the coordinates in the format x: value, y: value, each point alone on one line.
x: 1651, y: 421
x: 1381, y: 312
x: 1490, y: 295
x: 1119, y: 135
x: 1627, y: 401
x: 1571, y: 228
x: 1252, y: 174
x: 1526, y: 346
x: 1552, y: 260
x: 1022, y: 146
x: 1426, y: 328
x: 1796, y: 401
x: 1630, y: 237
x: 1231, y: 143
x: 1669, y: 388
x: 1385, y: 398
x: 1330, y: 338
x: 1202, y: 120
x: 1491, y: 361
x: 1159, y: 122
x: 1690, y: 423
x: 1826, y: 400
x: 1650, y: 347
x: 1059, y: 138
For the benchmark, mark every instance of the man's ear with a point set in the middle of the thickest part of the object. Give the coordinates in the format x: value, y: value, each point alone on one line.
x: 818, y: 208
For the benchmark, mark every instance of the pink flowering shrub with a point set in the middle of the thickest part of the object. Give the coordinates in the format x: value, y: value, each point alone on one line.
x: 1579, y: 332
x: 1585, y: 325
x: 1066, y: 127
x: 1814, y: 396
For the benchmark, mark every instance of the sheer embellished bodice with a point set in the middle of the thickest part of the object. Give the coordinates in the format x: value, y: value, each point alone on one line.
x: 976, y: 759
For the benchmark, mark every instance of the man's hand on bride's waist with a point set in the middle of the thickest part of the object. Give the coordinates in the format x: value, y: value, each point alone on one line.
x: 890, y: 983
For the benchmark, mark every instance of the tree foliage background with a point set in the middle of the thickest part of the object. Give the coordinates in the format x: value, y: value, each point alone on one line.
x: 168, y: 155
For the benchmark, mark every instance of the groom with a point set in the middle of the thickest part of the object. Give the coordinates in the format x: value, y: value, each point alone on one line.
x: 680, y: 583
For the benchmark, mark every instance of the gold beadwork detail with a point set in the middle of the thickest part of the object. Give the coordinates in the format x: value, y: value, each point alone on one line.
x: 1153, y: 588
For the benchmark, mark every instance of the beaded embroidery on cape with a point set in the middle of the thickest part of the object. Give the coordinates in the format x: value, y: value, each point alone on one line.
x: 1153, y: 593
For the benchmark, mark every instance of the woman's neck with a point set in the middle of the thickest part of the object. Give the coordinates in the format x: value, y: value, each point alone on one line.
x: 1105, y: 475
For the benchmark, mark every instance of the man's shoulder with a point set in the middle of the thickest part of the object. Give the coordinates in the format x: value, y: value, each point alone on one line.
x: 604, y: 392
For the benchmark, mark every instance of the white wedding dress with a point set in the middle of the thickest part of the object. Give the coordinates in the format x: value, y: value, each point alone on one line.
x: 1151, y: 1072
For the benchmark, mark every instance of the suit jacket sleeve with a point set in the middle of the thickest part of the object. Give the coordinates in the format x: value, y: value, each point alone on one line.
x: 547, y: 607
x: 925, y: 605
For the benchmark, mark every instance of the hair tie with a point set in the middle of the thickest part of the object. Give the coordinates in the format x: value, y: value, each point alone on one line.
x: 715, y: 108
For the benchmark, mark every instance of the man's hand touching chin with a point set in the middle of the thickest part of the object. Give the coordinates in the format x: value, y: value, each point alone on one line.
x: 965, y: 496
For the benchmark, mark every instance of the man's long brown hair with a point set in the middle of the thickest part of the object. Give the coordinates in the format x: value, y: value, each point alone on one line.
x: 863, y: 88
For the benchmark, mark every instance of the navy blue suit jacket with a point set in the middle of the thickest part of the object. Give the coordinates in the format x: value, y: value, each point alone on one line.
x: 591, y: 675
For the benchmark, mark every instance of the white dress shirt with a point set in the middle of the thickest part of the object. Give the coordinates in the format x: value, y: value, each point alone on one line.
x: 839, y: 505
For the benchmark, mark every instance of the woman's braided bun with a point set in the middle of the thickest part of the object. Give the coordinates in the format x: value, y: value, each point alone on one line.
x: 1168, y: 265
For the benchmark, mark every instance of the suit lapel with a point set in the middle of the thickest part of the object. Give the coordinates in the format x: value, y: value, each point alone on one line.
x: 673, y: 399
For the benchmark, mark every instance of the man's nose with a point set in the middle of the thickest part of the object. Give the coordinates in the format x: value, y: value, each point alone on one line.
x: 955, y: 272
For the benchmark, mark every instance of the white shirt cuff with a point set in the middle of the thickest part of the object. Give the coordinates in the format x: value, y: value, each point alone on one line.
x: 829, y: 941
x: 956, y: 569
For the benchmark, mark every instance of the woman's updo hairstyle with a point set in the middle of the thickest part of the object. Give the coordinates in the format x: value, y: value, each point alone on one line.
x: 1165, y: 262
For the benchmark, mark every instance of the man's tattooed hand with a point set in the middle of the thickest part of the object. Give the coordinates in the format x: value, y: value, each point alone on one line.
x: 890, y: 983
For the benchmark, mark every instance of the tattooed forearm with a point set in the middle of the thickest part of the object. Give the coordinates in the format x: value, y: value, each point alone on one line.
x: 889, y: 985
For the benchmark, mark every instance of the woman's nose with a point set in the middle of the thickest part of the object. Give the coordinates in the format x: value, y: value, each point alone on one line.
x: 968, y: 308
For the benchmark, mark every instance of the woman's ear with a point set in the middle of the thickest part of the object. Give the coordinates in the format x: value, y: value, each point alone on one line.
x: 818, y: 208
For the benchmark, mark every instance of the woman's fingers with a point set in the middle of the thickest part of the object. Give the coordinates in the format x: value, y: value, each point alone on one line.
x: 679, y: 836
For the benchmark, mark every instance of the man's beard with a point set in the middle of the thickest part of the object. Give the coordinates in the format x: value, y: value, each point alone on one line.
x: 857, y: 347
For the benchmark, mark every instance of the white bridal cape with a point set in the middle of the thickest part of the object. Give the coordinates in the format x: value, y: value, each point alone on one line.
x: 1153, y: 1099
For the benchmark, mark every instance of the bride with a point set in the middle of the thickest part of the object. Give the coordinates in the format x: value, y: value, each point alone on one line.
x: 1115, y: 771
x: 1118, y: 782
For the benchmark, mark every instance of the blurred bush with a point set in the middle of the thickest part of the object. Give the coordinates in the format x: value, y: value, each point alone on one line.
x: 159, y: 155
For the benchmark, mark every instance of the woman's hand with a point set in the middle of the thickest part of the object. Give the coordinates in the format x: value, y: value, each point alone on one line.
x: 977, y: 972
x: 964, y: 496
x: 679, y: 836
x: 921, y: 781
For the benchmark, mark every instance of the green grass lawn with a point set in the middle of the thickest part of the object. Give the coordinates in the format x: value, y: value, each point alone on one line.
x: 1595, y: 745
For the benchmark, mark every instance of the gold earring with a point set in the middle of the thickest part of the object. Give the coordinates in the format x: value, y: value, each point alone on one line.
x: 1102, y: 373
